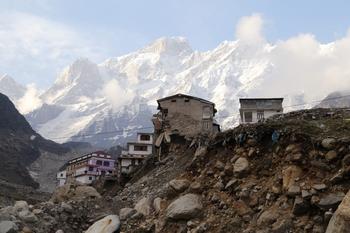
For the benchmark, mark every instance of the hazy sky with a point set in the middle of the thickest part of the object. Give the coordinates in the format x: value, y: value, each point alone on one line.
x: 40, y: 37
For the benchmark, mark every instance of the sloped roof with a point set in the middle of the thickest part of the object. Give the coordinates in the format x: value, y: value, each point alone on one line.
x: 186, y: 96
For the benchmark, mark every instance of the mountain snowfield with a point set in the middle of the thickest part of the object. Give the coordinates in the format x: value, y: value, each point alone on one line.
x: 119, y: 95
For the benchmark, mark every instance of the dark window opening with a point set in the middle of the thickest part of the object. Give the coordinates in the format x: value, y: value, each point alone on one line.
x: 248, y: 116
x: 106, y: 163
x: 61, y: 174
x: 98, y: 162
x: 140, y: 148
x: 173, y: 100
x: 260, y: 115
x: 187, y: 100
x: 90, y: 178
x: 145, y: 137
x: 91, y: 169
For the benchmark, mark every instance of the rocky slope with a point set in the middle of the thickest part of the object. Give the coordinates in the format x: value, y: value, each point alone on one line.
x: 288, y: 174
x: 26, y: 157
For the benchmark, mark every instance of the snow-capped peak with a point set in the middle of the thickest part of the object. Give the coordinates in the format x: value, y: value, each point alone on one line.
x: 169, y: 45
x: 11, y: 88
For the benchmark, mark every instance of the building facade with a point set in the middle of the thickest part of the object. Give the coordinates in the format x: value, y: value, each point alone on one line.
x: 185, y: 115
x: 87, y: 168
x: 253, y: 110
x: 136, y: 153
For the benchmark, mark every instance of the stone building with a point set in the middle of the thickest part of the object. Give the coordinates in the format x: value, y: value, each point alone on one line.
x: 253, y: 110
x: 185, y: 115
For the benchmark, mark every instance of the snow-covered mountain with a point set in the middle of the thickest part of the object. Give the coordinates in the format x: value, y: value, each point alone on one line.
x: 119, y: 95
x: 11, y: 88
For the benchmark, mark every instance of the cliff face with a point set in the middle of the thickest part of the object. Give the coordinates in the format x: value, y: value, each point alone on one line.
x: 20, y: 145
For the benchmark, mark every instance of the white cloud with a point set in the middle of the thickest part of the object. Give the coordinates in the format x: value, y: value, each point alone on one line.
x: 249, y: 29
x: 34, y: 45
x: 301, y: 66
x: 30, y: 101
x: 117, y: 95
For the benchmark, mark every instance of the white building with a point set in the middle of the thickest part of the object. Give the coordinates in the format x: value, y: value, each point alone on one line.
x: 253, y: 110
x: 61, y: 177
x: 87, y: 168
x: 136, y: 153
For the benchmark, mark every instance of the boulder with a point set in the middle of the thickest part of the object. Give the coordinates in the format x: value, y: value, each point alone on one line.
x: 329, y: 143
x: 268, y: 217
x: 185, y: 207
x: 293, y: 190
x: 27, y: 216
x: 144, y: 206
x: 20, y: 206
x: 126, y: 213
x: 330, y: 200
x: 219, y: 165
x: 8, y: 227
x: 109, y: 224
x: 179, y: 185
x: 290, y: 173
x: 331, y: 155
x: 340, y: 221
x: 241, y: 208
x: 241, y: 165
x: 319, y: 187
x: 74, y: 192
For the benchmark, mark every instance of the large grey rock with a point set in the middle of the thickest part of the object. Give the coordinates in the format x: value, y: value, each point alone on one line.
x: 241, y: 165
x: 144, y: 206
x: 126, y: 213
x: 108, y: 224
x: 340, y: 221
x: 331, y: 200
x: 27, y: 216
x: 184, y: 208
x: 179, y: 184
x: 21, y: 205
x: 8, y: 227
x: 74, y: 192
x: 329, y: 143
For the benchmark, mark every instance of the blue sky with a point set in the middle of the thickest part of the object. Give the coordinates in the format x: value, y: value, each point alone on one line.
x: 39, y: 38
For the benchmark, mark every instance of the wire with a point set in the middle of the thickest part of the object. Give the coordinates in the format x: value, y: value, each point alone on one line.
x: 102, y: 133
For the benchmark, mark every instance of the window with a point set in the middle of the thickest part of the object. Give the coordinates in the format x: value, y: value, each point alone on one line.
x: 260, y: 115
x: 61, y: 174
x: 207, y: 112
x: 165, y: 112
x: 173, y: 101
x: 140, y: 148
x: 91, y: 169
x: 98, y: 162
x: 248, y: 116
x: 90, y: 178
x: 145, y: 137
x: 206, y: 125
x: 187, y: 100
x: 106, y: 163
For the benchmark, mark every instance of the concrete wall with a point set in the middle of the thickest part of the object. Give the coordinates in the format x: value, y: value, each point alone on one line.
x: 85, y: 179
x: 135, y: 152
x: 267, y: 114
x: 150, y: 141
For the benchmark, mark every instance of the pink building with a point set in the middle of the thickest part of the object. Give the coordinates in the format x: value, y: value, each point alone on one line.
x: 87, y: 168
